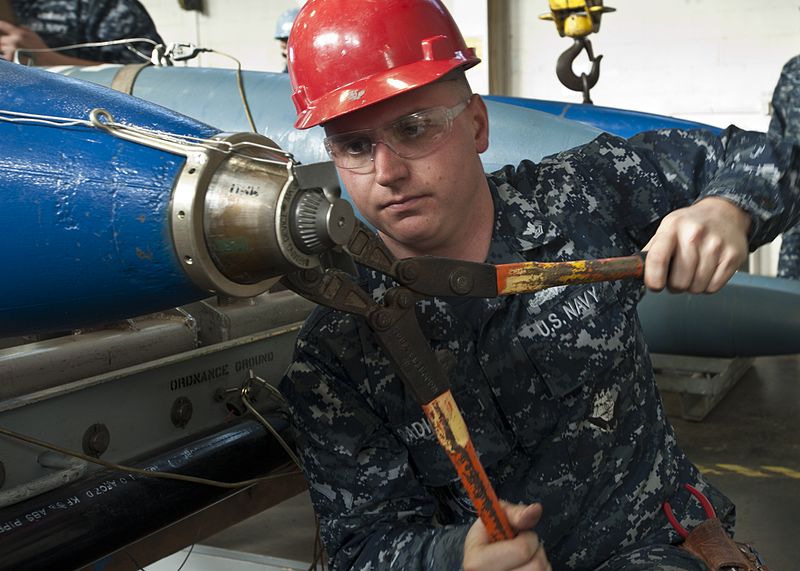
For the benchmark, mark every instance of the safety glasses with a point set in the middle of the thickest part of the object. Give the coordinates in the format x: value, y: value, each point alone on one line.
x: 410, y: 137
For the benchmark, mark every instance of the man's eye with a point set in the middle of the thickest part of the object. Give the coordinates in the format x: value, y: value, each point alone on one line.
x: 356, y: 146
x: 413, y: 129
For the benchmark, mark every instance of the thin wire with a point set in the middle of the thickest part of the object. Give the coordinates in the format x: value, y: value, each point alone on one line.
x: 91, y: 45
x: 211, y: 144
x: 240, y: 84
x: 268, y: 426
x: 128, y: 41
x: 140, y: 568
x: 187, y: 557
x: 145, y: 473
x: 111, y: 126
x: 23, y: 117
x: 136, y: 563
x: 318, y: 550
x: 145, y: 57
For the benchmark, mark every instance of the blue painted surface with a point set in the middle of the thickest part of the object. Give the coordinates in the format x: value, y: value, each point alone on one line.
x: 619, y: 122
x: 751, y: 316
x: 85, y: 215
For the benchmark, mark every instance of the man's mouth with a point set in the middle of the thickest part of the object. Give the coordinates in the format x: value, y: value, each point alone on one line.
x: 402, y: 202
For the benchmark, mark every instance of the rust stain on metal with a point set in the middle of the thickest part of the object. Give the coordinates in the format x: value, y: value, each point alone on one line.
x: 529, y: 277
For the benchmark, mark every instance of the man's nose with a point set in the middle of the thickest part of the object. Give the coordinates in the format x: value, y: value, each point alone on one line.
x: 389, y: 166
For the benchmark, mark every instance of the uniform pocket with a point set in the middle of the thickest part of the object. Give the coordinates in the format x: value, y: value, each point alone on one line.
x: 561, y: 341
x: 576, y: 337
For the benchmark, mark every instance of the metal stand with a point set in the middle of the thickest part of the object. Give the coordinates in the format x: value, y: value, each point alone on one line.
x: 699, y: 383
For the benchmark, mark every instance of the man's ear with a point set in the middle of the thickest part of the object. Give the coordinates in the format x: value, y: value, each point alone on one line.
x: 480, y: 122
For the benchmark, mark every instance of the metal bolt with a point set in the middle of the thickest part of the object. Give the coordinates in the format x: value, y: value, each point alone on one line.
x: 405, y: 300
x: 408, y: 272
x: 181, y: 412
x: 381, y: 320
x: 460, y: 282
x: 96, y: 440
x: 310, y: 276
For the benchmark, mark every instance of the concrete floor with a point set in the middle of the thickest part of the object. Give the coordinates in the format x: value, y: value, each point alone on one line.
x: 749, y: 446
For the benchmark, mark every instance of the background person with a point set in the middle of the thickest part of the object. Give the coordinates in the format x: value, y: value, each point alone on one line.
x: 282, y: 29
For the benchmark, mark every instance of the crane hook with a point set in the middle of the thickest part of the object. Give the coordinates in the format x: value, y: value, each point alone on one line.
x: 583, y: 82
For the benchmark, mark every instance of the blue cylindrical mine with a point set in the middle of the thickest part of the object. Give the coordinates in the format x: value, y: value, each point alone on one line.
x: 751, y: 316
x: 117, y: 207
x: 85, y: 214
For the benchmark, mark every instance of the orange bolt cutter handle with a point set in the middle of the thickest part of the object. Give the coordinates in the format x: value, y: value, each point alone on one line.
x: 451, y: 431
x: 527, y: 277
x: 398, y: 332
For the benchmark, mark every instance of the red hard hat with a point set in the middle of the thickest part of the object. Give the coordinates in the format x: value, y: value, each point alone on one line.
x: 345, y: 55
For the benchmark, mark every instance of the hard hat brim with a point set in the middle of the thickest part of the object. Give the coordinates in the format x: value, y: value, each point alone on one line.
x: 377, y: 88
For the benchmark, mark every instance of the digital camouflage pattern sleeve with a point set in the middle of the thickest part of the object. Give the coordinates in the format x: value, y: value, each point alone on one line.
x: 68, y: 22
x: 757, y: 173
x: 786, y: 116
x: 789, y: 257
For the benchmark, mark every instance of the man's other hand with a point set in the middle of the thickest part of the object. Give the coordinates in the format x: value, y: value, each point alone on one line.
x: 697, y: 248
x: 523, y: 553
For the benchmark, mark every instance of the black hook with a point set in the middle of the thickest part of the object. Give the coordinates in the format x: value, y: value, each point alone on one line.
x: 582, y: 82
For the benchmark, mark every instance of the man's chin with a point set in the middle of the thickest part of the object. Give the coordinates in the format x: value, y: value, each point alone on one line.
x: 416, y: 239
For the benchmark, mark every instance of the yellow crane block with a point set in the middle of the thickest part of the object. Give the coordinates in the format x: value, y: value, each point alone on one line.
x: 576, y: 18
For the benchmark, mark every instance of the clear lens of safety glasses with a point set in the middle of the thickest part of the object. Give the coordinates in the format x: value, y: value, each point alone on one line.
x: 410, y: 137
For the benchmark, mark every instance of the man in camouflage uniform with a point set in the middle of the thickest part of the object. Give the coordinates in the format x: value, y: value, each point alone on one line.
x: 53, y: 23
x: 788, y: 117
x: 556, y: 387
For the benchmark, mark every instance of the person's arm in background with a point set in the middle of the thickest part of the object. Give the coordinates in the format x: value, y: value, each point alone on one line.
x: 116, y: 19
x: 374, y: 511
x: 13, y: 38
x: 105, y: 20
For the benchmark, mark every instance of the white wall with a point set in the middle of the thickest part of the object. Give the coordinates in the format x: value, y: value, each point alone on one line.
x: 472, y: 16
x: 244, y: 29
x: 714, y: 61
